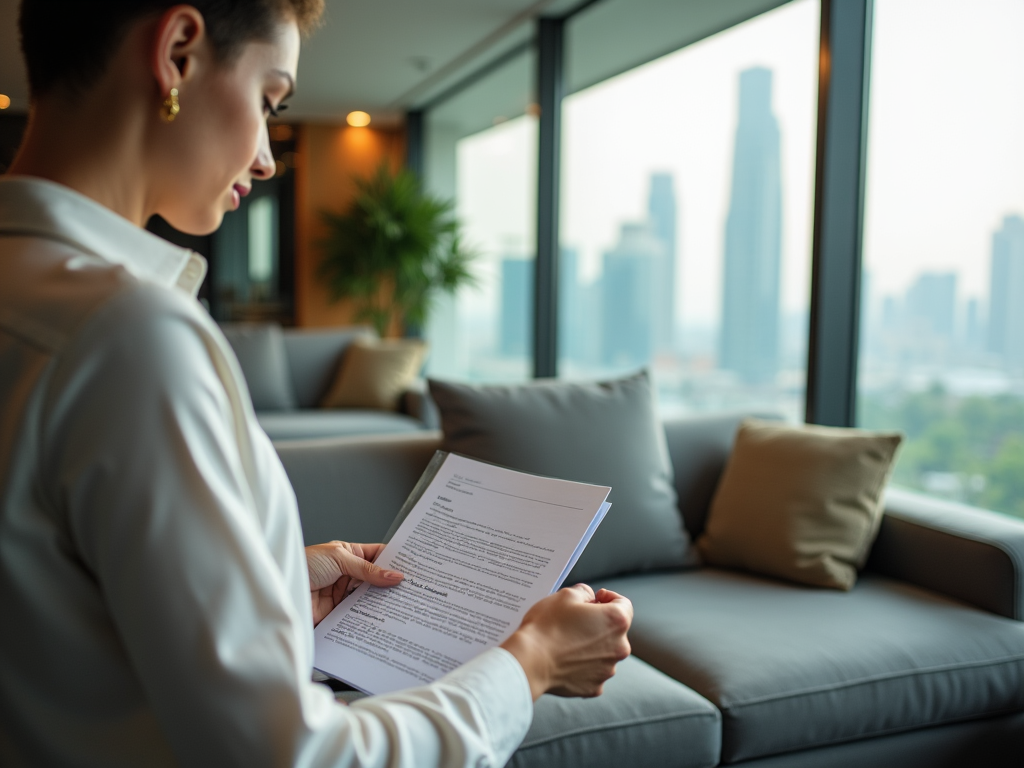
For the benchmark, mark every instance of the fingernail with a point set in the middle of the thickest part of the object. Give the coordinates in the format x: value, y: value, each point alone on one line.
x: 393, y: 575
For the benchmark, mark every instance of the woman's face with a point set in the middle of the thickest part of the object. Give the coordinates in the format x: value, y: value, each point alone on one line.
x: 217, y: 146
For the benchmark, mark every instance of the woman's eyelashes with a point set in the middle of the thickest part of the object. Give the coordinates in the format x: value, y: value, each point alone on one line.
x: 270, y: 110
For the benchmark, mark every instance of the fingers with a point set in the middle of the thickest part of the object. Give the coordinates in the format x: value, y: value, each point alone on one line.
x: 582, y: 590
x: 607, y: 597
x: 363, y: 570
x: 370, y: 551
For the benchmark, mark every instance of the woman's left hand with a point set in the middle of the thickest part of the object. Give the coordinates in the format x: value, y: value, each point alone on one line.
x: 337, y: 567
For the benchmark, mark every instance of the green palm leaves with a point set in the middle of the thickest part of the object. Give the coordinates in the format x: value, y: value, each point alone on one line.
x: 394, y: 251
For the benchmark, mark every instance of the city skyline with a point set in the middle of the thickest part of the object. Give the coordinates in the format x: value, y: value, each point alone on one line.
x: 752, y: 258
x: 933, y: 323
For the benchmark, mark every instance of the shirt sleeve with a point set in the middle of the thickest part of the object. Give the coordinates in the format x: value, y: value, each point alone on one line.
x: 144, y: 456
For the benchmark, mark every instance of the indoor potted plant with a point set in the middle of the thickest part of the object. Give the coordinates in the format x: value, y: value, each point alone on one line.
x: 394, y: 250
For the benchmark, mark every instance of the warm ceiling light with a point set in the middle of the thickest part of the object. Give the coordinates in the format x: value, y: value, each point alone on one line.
x: 5, y: 101
x: 358, y: 119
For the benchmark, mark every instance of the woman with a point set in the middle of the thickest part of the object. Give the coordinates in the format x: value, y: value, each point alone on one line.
x: 157, y: 602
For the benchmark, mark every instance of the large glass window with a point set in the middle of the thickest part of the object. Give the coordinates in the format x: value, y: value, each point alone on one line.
x: 482, y: 151
x: 942, y: 348
x: 687, y: 200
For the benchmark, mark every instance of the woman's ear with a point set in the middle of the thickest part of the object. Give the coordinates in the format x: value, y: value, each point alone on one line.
x: 180, y: 34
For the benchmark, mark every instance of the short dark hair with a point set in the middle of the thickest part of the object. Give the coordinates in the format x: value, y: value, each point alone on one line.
x: 68, y: 43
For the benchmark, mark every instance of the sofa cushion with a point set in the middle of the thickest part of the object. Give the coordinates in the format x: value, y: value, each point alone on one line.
x: 700, y: 447
x: 313, y: 357
x: 373, y: 373
x: 305, y: 425
x: 259, y: 348
x: 799, y: 502
x: 642, y: 715
x: 792, y: 668
x: 605, y: 433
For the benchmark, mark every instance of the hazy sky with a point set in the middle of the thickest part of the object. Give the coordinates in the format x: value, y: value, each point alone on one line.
x: 946, y: 141
x: 675, y: 114
x: 946, y: 149
x: 679, y: 114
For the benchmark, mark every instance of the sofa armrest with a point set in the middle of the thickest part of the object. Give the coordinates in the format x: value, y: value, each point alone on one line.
x: 417, y: 402
x: 963, y: 552
x: 351, y: 488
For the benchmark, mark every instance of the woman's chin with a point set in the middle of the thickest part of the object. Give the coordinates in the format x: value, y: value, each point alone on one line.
x: 198, y: 225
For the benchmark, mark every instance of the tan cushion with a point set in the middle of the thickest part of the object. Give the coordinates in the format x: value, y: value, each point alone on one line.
x: 799, y: 503
x: 373, y: 373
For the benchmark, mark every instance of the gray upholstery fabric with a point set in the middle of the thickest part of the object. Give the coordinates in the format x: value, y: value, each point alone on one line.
x: 313, y: 357
x: 352, y: 488
x: 989, y: 743
x: 792, y: 667
x: 642, y: 716
x: 605, y: 433
x: 416, y: 402
x: 312, y: 424
x: 261, y: 354
x: 699, y: 448
x: 966, y: 553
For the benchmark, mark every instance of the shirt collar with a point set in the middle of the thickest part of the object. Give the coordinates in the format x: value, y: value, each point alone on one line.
x: 41, y: 208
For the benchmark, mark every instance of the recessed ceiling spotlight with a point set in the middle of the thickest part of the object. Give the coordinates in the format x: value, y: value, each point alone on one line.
x: 5, y: 101
x: 358, y: 119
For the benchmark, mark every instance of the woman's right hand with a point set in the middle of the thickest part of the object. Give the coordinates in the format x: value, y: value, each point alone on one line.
x: 570, y: 642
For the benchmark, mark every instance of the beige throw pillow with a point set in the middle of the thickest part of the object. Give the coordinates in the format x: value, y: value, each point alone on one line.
x: 799, y: 503
x: 375, y: 372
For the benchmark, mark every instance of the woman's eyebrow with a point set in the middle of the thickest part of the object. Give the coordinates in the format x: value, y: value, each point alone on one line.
x: 291, y: 82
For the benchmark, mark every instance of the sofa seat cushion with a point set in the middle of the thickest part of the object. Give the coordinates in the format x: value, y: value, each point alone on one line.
x: 642, y: 717
x: 642, y: 714
x: 792, y: 667
x: 309, y: 424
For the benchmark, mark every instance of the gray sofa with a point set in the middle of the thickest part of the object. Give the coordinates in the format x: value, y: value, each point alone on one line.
x: 288, y: 372
x: 921, y: 664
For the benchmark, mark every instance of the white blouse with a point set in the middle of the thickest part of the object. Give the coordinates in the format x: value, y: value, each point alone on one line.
x: 154, y: 598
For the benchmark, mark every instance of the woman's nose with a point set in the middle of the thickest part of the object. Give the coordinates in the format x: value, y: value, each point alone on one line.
x: 263, y: 167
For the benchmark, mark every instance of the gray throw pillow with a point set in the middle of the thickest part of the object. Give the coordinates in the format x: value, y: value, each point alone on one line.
x: 260, y: 352
x: 605, y: 433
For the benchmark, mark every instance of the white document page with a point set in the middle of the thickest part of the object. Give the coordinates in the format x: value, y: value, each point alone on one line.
x: 478, y: 549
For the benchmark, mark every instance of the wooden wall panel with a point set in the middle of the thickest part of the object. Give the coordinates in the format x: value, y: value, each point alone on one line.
x: 328, y: 157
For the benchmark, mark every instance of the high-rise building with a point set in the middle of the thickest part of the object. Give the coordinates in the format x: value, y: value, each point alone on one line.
x: 749, y: 343
x: 931, y: 305
x: 973, y: 334
x: 515, y: 322
x: 629, y: 281
x: 579, y: 311
x: 1006, y: 294
x: 661, y: 209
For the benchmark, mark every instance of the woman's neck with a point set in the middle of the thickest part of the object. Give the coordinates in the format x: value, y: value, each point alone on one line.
x: 92, y: 145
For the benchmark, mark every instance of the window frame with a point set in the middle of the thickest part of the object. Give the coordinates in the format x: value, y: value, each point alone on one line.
x: 839, y: 186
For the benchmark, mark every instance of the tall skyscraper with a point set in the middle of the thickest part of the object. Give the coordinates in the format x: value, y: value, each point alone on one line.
x: 973, y: 335
x: 1006, y: 294
x: 661, y: 209
x: 515, y: 323
x: 749, y: 342
x: 578, y: 312
x: 931, y: 305
x: 629, y: 282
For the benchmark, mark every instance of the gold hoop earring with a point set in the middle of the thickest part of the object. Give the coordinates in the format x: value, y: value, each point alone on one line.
x: 171, y: 106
